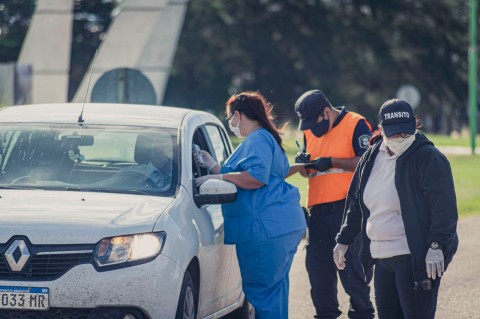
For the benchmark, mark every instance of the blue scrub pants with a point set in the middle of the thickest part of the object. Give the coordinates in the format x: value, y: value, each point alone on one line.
x: 264, y: 265
x: 397, y: 296
x: 323, y: 225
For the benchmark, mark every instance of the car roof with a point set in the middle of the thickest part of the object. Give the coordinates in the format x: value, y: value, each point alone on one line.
x: 96, y: 113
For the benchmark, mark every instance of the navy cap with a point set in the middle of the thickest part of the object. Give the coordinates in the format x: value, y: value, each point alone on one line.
x: 396, y: 116
x: 309, y: 106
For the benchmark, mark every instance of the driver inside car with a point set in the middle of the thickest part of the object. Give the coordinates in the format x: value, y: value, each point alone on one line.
x: 153, y: 155
x: 152, y: 159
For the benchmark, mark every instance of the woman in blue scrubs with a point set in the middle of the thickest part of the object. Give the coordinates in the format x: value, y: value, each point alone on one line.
x: 266, y: 222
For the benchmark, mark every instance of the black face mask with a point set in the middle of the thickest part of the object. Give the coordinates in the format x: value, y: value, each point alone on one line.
x: 320, y: 128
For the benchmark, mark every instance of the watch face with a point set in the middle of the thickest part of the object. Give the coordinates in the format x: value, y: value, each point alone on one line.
x: 434, y: 245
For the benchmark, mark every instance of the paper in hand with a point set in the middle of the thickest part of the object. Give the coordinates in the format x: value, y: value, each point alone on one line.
x: 299, y: 164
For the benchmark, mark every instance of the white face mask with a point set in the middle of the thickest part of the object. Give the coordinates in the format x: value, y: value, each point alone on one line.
x: 399, y: 145
x: 235, y: 129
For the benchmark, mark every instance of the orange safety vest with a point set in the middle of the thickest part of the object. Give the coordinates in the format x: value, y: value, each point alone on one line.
x: 331, y: 185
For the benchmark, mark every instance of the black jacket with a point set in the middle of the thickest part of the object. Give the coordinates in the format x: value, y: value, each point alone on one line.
x: 424, y: 183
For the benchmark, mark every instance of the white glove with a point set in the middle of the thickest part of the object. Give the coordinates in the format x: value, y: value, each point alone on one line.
x: 208, y: 161
x: 339, y: 255
x: 200, y: 180
x: 435, y: 263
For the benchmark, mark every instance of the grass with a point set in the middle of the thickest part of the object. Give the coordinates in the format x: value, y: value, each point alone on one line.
x: 466, y: 175
x: 455, y: 140
x: 465, y: 168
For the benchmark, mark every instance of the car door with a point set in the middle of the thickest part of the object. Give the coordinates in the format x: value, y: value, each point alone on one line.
x: 216, y: 257
x: 222, y: 149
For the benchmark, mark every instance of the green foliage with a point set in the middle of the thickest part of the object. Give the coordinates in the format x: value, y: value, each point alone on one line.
x: 358, y: 52
x: 467, y: 182
x: 15, y: 18
x: 446, y: 140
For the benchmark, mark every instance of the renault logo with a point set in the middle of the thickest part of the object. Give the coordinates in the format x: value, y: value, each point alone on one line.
x: 17, y: 255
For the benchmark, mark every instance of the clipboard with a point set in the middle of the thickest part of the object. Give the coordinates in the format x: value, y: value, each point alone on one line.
x: 299, y: 164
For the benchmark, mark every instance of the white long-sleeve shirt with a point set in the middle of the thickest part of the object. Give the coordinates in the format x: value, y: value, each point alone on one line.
x: 385, y: 226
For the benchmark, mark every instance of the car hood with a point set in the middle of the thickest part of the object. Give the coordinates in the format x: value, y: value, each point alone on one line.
x: 47, y: 217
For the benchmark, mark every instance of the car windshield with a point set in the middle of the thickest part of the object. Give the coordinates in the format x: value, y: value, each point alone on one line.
x: 113, y: 159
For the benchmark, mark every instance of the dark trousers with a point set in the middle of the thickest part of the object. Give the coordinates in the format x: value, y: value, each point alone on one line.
x: 323, y: 225
x: 396, y: 294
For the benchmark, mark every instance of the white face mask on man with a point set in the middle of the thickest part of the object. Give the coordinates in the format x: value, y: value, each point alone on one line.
x: 399, y: 145
x: 235, y: 129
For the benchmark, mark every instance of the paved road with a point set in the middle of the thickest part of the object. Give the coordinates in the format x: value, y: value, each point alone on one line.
x: 459, y: 296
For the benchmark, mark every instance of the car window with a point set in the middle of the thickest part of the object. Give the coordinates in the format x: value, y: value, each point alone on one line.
x: 213, y: 139
x: 218, y: 142
x: 94, y: 158
x: 200, y: 141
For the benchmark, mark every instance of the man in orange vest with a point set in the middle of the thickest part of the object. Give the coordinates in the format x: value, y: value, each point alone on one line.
x: 335, y: 139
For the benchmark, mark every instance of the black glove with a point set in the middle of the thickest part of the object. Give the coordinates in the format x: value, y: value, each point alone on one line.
x: 302, y: 157
x: 320, y: 164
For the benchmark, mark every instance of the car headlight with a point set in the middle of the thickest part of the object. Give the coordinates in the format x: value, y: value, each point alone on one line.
x: 123, y: 249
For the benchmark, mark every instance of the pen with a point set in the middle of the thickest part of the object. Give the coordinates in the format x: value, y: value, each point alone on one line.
x: 298, y: 145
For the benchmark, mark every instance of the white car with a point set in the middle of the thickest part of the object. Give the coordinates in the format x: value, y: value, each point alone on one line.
x: 100, y: 216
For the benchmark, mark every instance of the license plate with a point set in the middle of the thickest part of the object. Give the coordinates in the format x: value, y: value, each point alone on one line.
x: 28, y: 298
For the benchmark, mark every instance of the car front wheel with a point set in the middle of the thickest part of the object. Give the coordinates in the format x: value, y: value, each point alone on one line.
x: 186, y: 308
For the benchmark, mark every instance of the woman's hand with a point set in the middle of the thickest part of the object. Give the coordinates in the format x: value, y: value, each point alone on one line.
x: 208, y: 161
x: 339, y: 255
x: 200, y: 180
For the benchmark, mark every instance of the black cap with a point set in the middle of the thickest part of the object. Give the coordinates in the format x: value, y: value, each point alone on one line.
x: 309, y: 106
x: 396, y: 116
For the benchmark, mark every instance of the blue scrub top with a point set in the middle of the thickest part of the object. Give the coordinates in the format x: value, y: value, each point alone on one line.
x: 273, y: 209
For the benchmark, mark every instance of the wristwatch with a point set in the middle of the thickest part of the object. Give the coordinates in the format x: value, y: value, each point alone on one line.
x: 434, y: 245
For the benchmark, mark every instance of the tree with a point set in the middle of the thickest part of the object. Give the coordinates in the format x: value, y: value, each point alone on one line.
x: 15, y: 16
x: 358, y: 52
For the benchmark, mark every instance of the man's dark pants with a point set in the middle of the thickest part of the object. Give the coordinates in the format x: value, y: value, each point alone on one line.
x: 323, y: 225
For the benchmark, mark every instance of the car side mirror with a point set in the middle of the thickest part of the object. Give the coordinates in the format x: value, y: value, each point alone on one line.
x: 215, y: 191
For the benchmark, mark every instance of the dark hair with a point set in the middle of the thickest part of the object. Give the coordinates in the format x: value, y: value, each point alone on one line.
x: 377, y: 134
x: 256, y: 107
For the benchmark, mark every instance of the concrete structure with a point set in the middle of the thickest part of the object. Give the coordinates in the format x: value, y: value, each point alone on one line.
x: 49, y: 55
x: 143, y: 36
x: 15, y: 84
